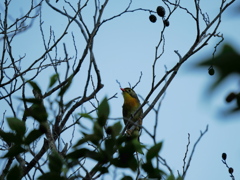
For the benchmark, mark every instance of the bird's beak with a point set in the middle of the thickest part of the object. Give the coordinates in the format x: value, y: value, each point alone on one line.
x: 122, y: 89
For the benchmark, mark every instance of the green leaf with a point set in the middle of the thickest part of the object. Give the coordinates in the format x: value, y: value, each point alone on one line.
x: 32, y: 136
x: 153, y: 151
x: 66, y: 87
x: 115, y: 129
x: 37, y: 111
x: 126, y: 157
x: 171, y: 177
x: 103, y: 170
x: 127, y: 178
x: 14, y: 151
x: 78, y: 153
x: 138, y: 146
x: 125, y: 162
x: 179, y: 178
x: 121, y: 139
x: 55, y: 163
x: 51, y: 176
x: 10, y: 137
x: 109, y: 146
x: 98, y: 130
x: 98, y: 156
x: 35, y: 87
x: 151, y: 171
x: 14, y: 173
x: 53, y: 80
x: 103, y: 112
x: 88, y: 137
x: 148, y: 167
x: 17, y: 125
x: 86, y: 115
x: 81, y: 141
x: 32, y: 100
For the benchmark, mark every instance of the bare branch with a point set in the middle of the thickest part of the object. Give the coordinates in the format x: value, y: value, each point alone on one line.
x: 186, y: 166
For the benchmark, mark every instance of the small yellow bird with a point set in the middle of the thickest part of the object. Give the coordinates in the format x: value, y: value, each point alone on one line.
x: 130, y: 106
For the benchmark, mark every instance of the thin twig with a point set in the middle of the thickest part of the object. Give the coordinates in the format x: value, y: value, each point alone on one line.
x: 186, y: 166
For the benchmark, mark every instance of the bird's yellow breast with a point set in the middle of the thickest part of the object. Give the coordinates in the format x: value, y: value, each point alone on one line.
x: 130, y: 101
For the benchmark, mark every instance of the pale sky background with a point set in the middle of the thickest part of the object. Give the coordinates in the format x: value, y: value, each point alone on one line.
x: 125, y: 47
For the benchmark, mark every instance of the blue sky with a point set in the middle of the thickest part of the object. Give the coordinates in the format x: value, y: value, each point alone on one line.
x: 125, y: 47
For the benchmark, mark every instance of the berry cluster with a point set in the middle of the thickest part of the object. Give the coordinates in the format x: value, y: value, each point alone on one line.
x: 161, y: 12
x: 230, y: 169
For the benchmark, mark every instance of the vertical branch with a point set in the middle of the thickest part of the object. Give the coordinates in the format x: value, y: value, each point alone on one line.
x: 196, y: 2
x: 187, y: 165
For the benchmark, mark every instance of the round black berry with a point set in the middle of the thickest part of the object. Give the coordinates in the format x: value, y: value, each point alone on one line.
x: 161, y: 11
x: 211, y: 71
x: 224, y: 156
x: 166, y: 23
x: 230, y: 170
x: 152, y: 18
